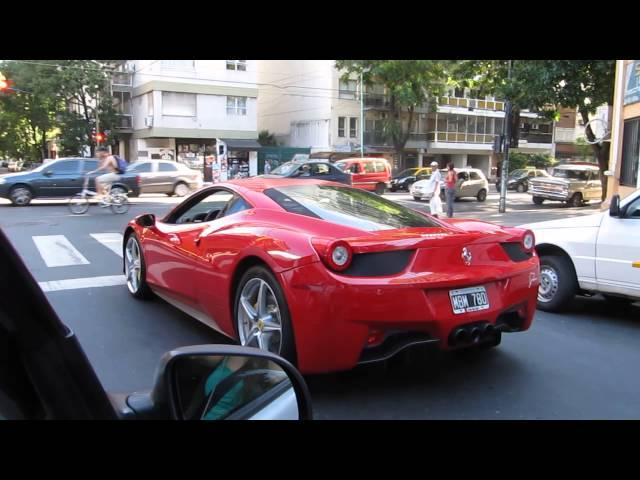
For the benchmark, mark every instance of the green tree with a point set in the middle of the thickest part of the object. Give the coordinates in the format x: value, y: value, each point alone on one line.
x: 267, y: 139
x: 547, y: 85
x: 519, y: 160
x: 409, y: 84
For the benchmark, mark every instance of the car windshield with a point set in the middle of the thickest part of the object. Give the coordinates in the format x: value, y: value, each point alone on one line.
x: 285, y: 169
x: 518, y: 173
x: 408, y: 172
x: 571, y: 174
x: 347, y: 206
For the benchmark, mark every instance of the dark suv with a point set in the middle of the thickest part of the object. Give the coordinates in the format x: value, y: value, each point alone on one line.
x: 61, y: 178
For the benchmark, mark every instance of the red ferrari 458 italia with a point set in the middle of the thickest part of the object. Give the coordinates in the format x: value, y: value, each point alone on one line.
x: 330, y: 276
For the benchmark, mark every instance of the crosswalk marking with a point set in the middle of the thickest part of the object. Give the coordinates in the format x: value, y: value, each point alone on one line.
x: 113, y: 241
x: 88, y: 282
x: 57, y: 251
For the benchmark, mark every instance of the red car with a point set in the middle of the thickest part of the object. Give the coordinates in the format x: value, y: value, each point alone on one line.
x: 330, y: 276
x: 372, y: 174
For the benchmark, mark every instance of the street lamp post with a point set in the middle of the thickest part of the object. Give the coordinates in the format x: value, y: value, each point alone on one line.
x: 505, y: 163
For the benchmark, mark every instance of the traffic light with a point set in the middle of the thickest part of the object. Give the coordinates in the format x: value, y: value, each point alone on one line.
x: 99, y: 137
x: 5, y: 84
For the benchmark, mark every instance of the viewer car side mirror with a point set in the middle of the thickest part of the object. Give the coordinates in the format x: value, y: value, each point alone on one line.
x: 147, y: 220
x: 614, y: 206
x: 224, y: 382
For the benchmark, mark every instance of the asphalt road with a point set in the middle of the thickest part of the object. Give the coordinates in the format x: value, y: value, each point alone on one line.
x: 580, y: 365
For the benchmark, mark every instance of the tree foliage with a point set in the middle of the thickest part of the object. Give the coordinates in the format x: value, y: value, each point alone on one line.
x: 545, y: 86
x: 267, y: 139
x: 409, y: 84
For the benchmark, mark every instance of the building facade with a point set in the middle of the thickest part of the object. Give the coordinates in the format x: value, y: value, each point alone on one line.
x: 189, y: 111
x: 624, y: 160
x: 306, y: 104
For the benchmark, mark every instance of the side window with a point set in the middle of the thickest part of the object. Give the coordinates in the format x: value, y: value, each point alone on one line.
x: 464, y: 176
x: 355, y: 168
x: 205, y: 209
x: 167, y: 167
x: 369, y: 167
x: 66, y: 166
x: 320, y: 169
x: 379, y: 167
x: 89, y: 165
x: 238, y: 204
x: 474, y: 176
x: 144, y: 167
x: 633, y: 210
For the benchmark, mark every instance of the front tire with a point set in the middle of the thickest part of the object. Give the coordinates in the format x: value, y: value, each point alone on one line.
x: 20, y: 196
x: 575, y: 200
x: 78, y: 204
x: 261, y: 314
x: 521, y: 188
x: 538, y: 200
x: 135, y: 269
x: 482, y: 195
x: 181, y: 189
x: 558, y: 283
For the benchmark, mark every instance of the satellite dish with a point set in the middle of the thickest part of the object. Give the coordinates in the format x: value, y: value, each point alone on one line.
x: 600, y: 130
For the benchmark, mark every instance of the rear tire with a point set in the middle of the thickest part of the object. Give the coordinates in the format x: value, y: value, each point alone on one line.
x: 575, y: 200
x: 558, y: 283
x: 482, y: 195
x: 119, y: 204
x: 134, y: 265
x: 20, y: 196
x: 117, y: 190
x: 538, y: 200
x: 380, y: 188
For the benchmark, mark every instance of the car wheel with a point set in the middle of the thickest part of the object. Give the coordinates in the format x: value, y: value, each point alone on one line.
x: 575, y: 200
x: 135, y: 269
x: 261, y: 314
x: 181, y: 189
x: 520, y: 188
x: 20, y: 195
x: 482, y: 195
x: 380, y: 188
x: 117, y: 190
x: 558, y: 283
x: 537, y: 200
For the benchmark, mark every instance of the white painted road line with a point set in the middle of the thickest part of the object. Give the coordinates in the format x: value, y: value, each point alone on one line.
x: 113, y: 241
x: 57, y: 251
x: 89, y: 282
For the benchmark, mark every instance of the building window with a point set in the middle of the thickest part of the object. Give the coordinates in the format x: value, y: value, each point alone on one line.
x: 178, y: 64
x: 236, y: 105
x: 347, y: 89
x: 353, y: 127
x: 341, y: 127
x: 630, y: 153
x: 237, y: 65
x: 179, y: 104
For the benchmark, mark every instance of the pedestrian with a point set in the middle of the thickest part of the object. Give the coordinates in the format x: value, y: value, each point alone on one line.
x: 435, y: 181
x: 267, y: 167
x: 450, y: 188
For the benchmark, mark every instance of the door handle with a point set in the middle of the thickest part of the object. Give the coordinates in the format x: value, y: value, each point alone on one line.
x: 173, y: 238
x: 197, y: 240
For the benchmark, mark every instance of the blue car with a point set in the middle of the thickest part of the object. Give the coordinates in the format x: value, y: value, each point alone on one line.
x: 63, y: 177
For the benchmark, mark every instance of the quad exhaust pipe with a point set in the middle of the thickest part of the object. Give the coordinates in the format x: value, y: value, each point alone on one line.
x: 472, y: 334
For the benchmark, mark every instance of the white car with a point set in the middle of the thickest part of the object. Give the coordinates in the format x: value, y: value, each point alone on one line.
x: 589, y: 254
x: 471, y: 183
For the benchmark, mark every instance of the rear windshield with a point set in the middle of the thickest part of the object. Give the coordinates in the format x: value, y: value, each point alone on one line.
x: 347, y: 206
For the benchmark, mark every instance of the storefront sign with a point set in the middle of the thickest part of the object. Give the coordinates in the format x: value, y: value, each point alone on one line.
x: 632, y: 83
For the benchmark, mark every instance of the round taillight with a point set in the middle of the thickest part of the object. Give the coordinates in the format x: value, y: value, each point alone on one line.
x: 339, y: 256
x: 528, y: 241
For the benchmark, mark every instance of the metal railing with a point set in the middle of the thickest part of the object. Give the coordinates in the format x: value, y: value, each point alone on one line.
x: 122, y: 79
x: 536, y: 137
x: 124, y: 121
x: 474, y: 103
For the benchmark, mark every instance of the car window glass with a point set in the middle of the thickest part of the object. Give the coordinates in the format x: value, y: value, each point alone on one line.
x: 379, y: 167
x: 65, y: 166
x: 320, y: 169
x: 369, y: 167
x: 463, y: 176
x: 474, y: 176
x: 238, y: 204
x: 166, y: 167
x: 205, y: 209
x: 89, y: 165
x: 633, y: 210
x: 140, y: 167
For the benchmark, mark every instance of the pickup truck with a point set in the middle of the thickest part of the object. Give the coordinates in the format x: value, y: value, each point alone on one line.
x: 63, y: 177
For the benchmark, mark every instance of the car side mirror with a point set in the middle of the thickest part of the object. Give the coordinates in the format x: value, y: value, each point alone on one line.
x: 147, y: 220
x: 47, y: 173
x: 216, y: 382
x: 614, y: 206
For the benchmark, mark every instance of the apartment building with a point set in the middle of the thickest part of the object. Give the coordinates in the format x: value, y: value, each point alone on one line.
x: 306, y: 104
x: 189, y: 111
x: 624, y: 160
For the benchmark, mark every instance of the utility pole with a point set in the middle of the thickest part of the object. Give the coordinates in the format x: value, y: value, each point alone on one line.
x: 505, y: 162
x: 98, y: 135
x: 361, y: 116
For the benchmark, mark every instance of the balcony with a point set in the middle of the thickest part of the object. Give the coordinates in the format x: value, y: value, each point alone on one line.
x: 473, y: 103
x: 123, y: 121
x: 566, y: 135
x: 376, y: 138
x: 122, y: 81
x: 454, y: 137
x: 376, y: 101
x: 536, y: 137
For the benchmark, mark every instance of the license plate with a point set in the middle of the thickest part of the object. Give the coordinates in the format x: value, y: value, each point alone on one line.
x: 471, y: 299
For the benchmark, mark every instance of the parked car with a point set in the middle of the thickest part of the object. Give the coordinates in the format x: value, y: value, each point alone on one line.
x: 589, y: 254
x: 317, y: 169
x: 372, y: 174
x: 572, y: 183
x: 14, y: 165
x: 166, y: 176
x: 61, y: 178
x: 518, y: 180
x: 45, y: 374
x: 471, y: 183
x: 406, y: 178
x: 322, y: 273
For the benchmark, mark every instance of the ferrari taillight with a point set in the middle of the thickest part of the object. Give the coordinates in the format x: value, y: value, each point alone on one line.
x: 528, y: 241
x: 337, y: 255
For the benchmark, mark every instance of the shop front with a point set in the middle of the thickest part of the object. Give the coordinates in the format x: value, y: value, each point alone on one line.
x: 240, y: 157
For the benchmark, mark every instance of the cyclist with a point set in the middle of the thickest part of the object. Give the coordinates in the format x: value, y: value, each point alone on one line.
x: 109, y: 164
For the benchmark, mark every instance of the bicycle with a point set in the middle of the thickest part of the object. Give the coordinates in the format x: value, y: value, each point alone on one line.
x: 79, y: 203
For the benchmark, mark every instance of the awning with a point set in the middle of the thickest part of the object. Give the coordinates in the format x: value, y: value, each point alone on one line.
x: 241, y: 144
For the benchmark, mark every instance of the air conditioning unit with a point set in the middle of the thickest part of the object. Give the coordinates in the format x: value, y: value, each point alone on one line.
x: 148, y: 121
